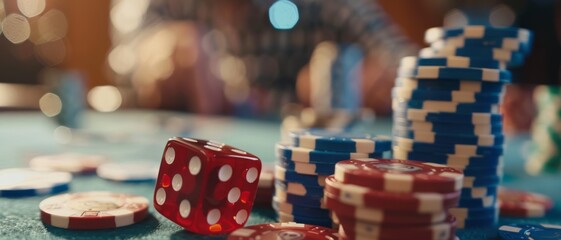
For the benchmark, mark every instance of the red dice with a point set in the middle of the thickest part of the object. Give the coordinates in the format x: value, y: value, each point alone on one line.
x: 206, y: 187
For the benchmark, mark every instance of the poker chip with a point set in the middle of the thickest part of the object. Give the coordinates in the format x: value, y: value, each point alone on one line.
x: 444, y: 138
x: 289, y: 230
x: 478, y: 32
x: 458, y: 161
x: 265, y: 186
x: 497, y: 54
x: 290, y: 176
x: 339, y: 142
x: 444, y: 106
x: 470, y: 181
x: 511, y: 44
x: 442, y: 95
x: 516, y: 203
x: 307, y: 168
x: 306, y: 155
x: 286, y: 217
x: 467, y: 118
x: 470, y: 129
x: 419, y: 202
x: 399, y: 175
x: 529, y: 231
x: 298, y: 189
x: 68, y: 162
x: 304, y: 201
x: 483, y: 202
x: 452, y: 61
x: 23, y: 182
x: 450, y: 85
x: 438, y: 72
x: 298, y: 210
x: 458, y: 149
x: 133, y: 171
x: 93, y: 210
x: 474, y: 212
x: 511, y: 195
x: 477, y: 192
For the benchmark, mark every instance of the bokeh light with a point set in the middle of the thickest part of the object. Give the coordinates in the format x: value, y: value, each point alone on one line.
x: 16, y: 28
x: 52, y: 26
x: 50, y: 104
x: 105, y: 98
x: 455, y: 18
x: 122, y: 59
x: 283, y: 14
x: 126, y: 15
x: 502, y: 16
x: 31, y: 8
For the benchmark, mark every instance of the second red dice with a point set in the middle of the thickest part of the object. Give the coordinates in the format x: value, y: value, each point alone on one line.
x: 206, y: 187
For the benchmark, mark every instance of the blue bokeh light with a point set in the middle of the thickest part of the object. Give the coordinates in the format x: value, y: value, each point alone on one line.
x: 283, y: 14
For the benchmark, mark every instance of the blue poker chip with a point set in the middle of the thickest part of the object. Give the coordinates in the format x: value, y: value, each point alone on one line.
x: 486, y: 181
x: 450, y: 96
x: 297, y: 210
x: 483, y: 202
x: 444, y: 106
x: 525, y: 231
x: 448, y: 159
x: 318, y: 221
x: 451, y: 61
x: 458, y: 149
x: 483, y: 172
x: 486, y: 222
x: 474, y: 74
x: 509, y: 57
x: 23, y: 182
x: 450, y: 85
x: 301, y: 154
x: 282, y: 174
x: 304, y: 201
x: 334, y: 141
x: 411, y: 114
x: 475, y: 192
x: 298, y: 189
x: 510, y: 44
x: 439, y: 127
x: 307, y: 168
x: 465, y: 213
x: 443, y: 138
x: 478, y: 32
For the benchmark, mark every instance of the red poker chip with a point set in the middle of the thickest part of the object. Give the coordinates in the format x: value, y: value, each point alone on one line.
x: 93, y: 210
x: 289, y: 230
x: 354, y: 229
x: 400, y: 176
x: 516, y: 203
x: 413, y: 202
x: 343, y: 236
x: 511, y: 195
x: 381, y: 216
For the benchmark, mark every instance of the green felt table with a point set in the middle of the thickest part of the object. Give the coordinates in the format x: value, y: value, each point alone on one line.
x: 134, y: 135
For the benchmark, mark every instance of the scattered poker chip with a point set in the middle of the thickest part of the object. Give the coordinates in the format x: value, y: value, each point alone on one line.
x: 458, y: 161
x: 306, y: 155
x: 470, y: 129
x: 450, y: 85
x: 68, y: 162
x: 522, y: 209
x: 530, y: 232
x: 93, y: 210
x: 446, y: 138
x: 443, y: 95
x: 23, y: 182
x: 466, y: 118
x: 133, y: 171
x: 511, y: 44
x: 320, y: 221
x: 304, y: 201
x: 419, y: 202
x: 444, y: 106
x: 483, y: 202
x: 478, y: 32
x: 477, y: 192
x: 442, y: 73
x: 458, y: 149
x: 382, y: 216
x: 282, y: 174
x: 298, y: 189
x: 451, y: 61
x: 399, y: 175
x: 325, y: 140
x: 511, y: 195
x: 290, y: 230
x: 498, y: 54
x: 299, y: 210
x: 307, y: 168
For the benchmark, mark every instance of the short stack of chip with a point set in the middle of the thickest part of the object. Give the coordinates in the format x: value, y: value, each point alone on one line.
x: 446, y: 109
x: 545, y: 155
x: 302, y: 166
x: 381, y: 199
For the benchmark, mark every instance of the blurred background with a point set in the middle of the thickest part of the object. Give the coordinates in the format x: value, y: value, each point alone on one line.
x: 309, y: 62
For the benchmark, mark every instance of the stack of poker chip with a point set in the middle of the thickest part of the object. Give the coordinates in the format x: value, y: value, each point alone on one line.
x: 303, y: 165
x: 446, y: 109
x: 544, y: 155
x: 393, y: 199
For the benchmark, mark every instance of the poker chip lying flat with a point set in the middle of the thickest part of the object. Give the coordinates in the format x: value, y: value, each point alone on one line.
x: 282, y: 174
x: 306, y: 155
x: 470, y: 129
x: 487, y: 222
x: 298, y: 189
x: 480, y: 171
x: 481, y: 181
x: 275, y: 231
x: 483, y: 202
x: 424, y: 202
x: 530, y: 232
x: 134, y: 171
x: 466, y: 118
x: 458, y: 161
x: 304, y: 201
x: 444, y: 106
x: 512, y: 195
x: 93, y: 210
x: 451, y: 61
x: 382, y: 216
x: 466, y: 213
x: 477, y: 192
x: 399, y: 175
x: 478, y: 32
x: 307, y: 168
x: 516, y: 203
x: 444, y: 138
x: 502, y: 55
x: 442, y: 73
x: 23, y: 182
x: 450, y: 85
x: 68, y: 162
x: 458, y: 149
x: 340, y: 142
x: 441, y: 95
x: 511, y: 44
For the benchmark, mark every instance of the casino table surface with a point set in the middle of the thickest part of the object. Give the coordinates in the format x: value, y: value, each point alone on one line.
x: 135, y: 135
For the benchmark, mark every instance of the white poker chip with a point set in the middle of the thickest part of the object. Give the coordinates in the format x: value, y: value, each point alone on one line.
x: 131, y: 171
x: 23, y: 182
x: 68, y: 162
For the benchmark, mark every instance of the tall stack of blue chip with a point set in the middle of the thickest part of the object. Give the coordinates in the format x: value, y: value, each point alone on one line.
x: 446, y: 109
x: 302, y: 166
